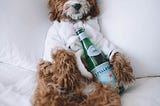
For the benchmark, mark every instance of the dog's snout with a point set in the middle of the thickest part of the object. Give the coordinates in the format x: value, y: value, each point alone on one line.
x: 77, y: 6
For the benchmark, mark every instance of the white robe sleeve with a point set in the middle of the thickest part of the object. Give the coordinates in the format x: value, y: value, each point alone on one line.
x: 108, y: 48
x: 52, y: 43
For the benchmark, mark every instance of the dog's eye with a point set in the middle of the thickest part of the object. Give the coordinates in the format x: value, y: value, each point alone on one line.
x: 62, y: 89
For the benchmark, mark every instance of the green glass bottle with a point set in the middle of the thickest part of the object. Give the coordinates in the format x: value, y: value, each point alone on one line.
x: 97, y: 62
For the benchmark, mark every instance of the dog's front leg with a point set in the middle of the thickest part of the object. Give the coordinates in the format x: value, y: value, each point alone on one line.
x: 42, y: 90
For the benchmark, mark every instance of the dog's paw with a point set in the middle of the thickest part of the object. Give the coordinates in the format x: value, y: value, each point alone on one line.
x: 122, y: 69
x: 43, y: 68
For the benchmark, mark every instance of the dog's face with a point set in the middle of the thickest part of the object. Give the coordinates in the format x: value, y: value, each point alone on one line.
x: 76, y: 9
x: 73, y: 9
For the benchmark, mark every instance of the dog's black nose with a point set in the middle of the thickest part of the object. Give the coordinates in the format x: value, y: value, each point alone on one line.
x: 77, y: 6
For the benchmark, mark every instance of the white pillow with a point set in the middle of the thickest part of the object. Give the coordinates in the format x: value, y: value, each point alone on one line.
x: 133, y: 25
x: 23, y: 26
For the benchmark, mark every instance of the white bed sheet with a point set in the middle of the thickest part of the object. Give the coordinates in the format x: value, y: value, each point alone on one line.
x: 17, y: 86
x: 145, y: 92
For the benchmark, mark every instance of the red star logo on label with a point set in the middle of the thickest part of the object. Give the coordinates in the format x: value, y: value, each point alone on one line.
x: 110, y: 75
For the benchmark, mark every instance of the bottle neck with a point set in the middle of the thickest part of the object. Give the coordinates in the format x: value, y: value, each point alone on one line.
x: 82, y: 36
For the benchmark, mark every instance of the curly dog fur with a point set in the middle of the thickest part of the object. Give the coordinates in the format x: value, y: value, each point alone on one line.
x: 60, y: 82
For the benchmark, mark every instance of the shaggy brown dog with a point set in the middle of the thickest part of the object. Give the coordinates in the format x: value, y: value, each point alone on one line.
x: 121, y: 67
x: 60, y: 82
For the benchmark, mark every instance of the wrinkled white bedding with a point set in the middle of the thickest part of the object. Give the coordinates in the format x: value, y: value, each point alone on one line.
x: 145, y: 92
x: 17, y: 86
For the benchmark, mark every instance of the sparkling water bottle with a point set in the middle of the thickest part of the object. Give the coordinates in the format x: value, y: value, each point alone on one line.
x: 97, y: 62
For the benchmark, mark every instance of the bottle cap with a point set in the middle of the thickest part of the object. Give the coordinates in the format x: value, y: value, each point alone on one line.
x: 80, y: 30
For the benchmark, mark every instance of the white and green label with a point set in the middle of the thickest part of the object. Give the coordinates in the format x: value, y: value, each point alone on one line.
x: 93, y: 51
x: 104, y: 74
x: 82, y: 36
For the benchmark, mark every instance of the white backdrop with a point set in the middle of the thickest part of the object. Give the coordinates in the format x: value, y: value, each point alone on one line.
x: 134, y: 26
x: 23, y: 27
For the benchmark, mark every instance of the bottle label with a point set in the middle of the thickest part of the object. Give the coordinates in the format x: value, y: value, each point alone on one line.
x: 93, y: 51
x: 104, y: 74
x: 82, y: 36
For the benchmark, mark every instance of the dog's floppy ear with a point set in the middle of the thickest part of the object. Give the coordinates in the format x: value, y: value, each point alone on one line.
x: 94, y: 10
x: 53, y: 12
x: 56, y: 9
